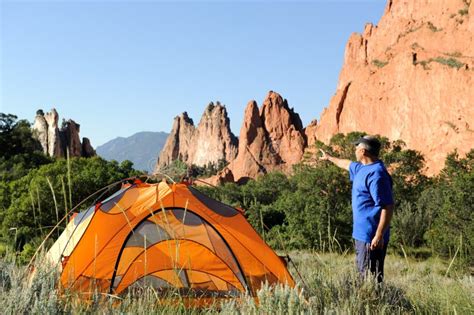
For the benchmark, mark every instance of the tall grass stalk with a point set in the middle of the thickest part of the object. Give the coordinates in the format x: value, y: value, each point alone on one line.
x: 69, y: 181
x: 54, y: 199
x: 33, y: 207
x: 63, y: 186
x: 455, y: 255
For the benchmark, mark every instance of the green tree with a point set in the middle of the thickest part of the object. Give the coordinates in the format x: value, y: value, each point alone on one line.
x: 453, y: 225
x: 20, y: 150
x: 37, y: 200
x: 406, y: 169
x: 259, y: 197
x: 317, y: 208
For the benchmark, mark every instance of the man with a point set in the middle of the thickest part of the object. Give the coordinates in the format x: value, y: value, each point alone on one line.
x: 372, y: 204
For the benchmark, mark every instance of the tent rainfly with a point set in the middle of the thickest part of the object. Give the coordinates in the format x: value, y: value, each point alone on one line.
x: 168, y: 236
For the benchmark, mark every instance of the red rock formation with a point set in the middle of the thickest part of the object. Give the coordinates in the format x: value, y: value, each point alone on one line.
x: 70, y: 137
x: 270, y: 139
x: 210, y: 142
x: 255, y: 149
x: 46, y: 131
x: 87, y: 149
x: 310, y: 132
x: 55, y: 141
x: 178, y: 142
x: 410, y: 78
x: 40, y: 129
x: 213, y: 140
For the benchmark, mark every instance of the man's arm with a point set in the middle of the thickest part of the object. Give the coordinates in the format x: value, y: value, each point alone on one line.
x: 342, y: 163
x: 385, y: 217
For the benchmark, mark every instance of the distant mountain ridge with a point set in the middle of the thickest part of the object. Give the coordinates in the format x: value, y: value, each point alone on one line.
x: 142, y: 148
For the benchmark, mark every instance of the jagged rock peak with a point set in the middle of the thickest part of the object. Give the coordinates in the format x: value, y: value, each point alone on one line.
x: 210, y: 142
x: 185, y: 118
x: 275, y: 103
x: 310, y: 133
x: 214, y: 139
x: 70, y: 137
x: 87, y: 149
x: 271, y: 138
x: 57, y: 141
x: 210, y: 107
x: 178, y: 142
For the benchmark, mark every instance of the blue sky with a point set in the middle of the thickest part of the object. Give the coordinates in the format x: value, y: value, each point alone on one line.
x: 120, y: 67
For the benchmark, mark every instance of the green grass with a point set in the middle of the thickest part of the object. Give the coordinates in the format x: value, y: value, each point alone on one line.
x: 332, y: 287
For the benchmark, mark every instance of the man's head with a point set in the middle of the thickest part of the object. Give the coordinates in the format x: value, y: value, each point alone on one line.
x: 367, y: 147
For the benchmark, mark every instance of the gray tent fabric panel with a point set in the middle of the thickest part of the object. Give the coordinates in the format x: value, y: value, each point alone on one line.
x: 216, y: 206
x: 110, y: 202
x: 81, y: 216
x: 117, y: 281
x: 151, y: 281
x: 183, y: 277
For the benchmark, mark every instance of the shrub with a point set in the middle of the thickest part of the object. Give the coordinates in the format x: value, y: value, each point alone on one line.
x: 379, y: 63
x: 410, y: 224
x: 433, y: 28
x: 451, y: 62
x: 453, y: 226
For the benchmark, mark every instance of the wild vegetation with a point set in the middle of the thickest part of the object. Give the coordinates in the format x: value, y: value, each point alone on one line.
x: 431, y: 247
x: 331, y: 286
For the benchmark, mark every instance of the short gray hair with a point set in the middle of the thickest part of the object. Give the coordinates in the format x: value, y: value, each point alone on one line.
x: 371, y: 144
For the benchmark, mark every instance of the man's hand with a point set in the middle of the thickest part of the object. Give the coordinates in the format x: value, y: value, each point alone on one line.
x: 385, y: 217
x: 377, y: 242
x: 324, y: 156
x: 342, y: 163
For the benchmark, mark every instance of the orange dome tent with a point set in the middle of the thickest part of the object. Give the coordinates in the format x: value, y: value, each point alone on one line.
x: 169, y: 237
